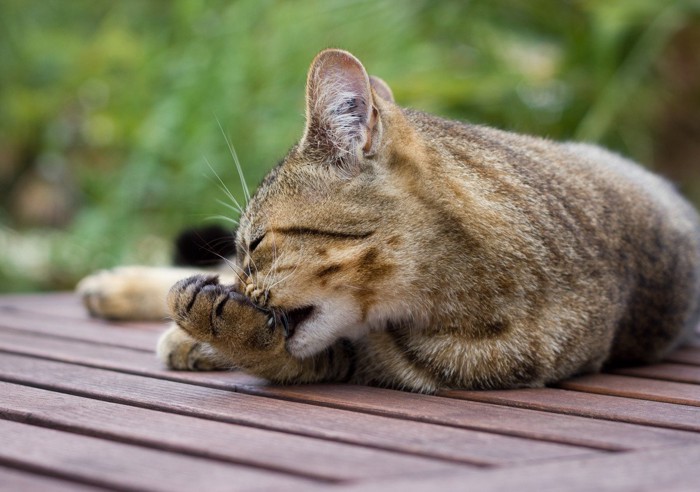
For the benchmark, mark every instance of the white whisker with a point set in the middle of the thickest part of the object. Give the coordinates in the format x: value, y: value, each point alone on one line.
x: 284, y: 278
x: 223, y: 217
x: 275, y: 260
x: 236, y: 161
x: 224, y: 188
x: 233, y: 208
x: 233, y: 267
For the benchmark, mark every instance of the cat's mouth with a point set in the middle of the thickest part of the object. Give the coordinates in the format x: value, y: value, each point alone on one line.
x: 291, y: 319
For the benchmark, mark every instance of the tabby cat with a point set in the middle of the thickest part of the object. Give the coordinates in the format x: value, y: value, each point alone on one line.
x: 395, y: 248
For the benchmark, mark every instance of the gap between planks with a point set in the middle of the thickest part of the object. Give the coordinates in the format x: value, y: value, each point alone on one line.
x: 387, y: 409
x: 320, y: 422
x: 237, y: 382
x: 587, y: 404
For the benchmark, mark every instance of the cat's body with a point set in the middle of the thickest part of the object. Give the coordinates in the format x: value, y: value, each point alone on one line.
x: 396, y: 248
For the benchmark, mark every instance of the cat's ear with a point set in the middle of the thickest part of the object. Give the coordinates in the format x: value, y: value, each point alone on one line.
x: 381, y: 88
x: 340, y: 116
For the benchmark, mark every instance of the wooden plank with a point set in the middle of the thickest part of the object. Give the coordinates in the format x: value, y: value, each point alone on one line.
x: 631, y: 387
x: 114, y: 358
x: 488, y: 417
x: 23, y: 481
x: 287, y: 453
x: 685, y: 355
x: 355, y: 398
x: 65, y: 305
x: 337, y: 425
x: 631, y: 410
x: 140, y: 363
x: 674, y: 469
x: 110, y: 464
x: 96, y: 331
x: 680, y: 373
x: 62, y: 304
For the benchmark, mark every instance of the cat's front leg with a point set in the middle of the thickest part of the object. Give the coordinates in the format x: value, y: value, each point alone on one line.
x: 250, y: 336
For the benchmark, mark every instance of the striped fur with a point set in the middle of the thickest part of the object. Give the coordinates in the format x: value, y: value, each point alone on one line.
x: 395, y: 248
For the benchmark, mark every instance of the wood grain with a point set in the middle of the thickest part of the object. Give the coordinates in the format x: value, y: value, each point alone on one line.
x: 24, y: 481
x: 282, y: 452
x: 361, y: 399
x: 591, y: 405
x: 96, y: 331
x: 111, y: 464
x: 681, y: 373
x: 58, y: 305
x: 685, y: 355
x: 293, y: 418
x: 488, y: 417
x: 85, y: 405
x: 662, y: 469
x: 631, y: 387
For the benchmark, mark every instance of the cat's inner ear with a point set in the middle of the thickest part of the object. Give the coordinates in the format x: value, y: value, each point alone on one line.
x: 340, y: 116
x: 381, y: 88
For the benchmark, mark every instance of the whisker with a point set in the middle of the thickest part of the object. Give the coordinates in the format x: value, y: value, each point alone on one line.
x: 285, y: 277
x: 275, y: 260
x: 235, y: 159
x: 224, y: 188
x: 222, y: 217
x: 233, y: 267
x: 228, y: 262
x: 233, y: 208
x: 250, y: 257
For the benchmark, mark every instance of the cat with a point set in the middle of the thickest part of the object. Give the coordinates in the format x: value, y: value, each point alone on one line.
x: 395, y: 248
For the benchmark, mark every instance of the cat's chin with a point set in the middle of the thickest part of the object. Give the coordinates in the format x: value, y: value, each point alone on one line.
x: 330, y: 321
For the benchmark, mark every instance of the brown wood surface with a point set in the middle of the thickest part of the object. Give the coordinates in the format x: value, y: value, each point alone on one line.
x: 680, y: 373
x: 685, y: 355
x: 613, y: 408
x: 97, y: 331
x: 292, y: 454
x: 309, y: 420
x: 85, y: 405
x: 113, y: 464
x: 664, y: 470
x: 633, y: 387
x: 20, y: 480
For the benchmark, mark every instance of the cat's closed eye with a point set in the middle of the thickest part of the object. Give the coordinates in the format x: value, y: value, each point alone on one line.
x: 255, y: 242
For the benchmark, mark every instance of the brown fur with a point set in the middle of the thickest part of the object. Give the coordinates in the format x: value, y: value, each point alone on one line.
x: 436, y: 254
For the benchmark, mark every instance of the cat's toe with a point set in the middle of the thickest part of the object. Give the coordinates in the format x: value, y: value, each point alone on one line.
x: 194, y: 303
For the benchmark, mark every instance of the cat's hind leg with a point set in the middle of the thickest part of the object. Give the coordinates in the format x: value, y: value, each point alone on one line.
x: 130, y: 293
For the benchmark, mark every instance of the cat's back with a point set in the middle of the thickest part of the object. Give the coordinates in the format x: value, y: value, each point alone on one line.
x: 595, y: 224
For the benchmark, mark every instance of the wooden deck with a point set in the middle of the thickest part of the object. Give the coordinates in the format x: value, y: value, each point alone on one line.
x: 84, y: 405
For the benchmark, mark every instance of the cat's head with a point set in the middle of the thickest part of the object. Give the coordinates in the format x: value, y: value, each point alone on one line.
x: 326, y: 240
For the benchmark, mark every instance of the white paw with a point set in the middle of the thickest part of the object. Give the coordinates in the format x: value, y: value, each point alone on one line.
x: 177, y: 350
x: 127, y: 293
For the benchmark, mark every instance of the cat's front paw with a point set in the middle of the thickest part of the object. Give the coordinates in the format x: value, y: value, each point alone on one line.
x: 177, y: 350
x: 223, y: 317
x: 122, y: 293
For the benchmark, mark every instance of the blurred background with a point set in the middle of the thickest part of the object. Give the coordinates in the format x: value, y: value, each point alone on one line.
x: 109, y: 111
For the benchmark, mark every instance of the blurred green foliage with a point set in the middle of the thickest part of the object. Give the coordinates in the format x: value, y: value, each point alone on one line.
x: 109, y: 111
